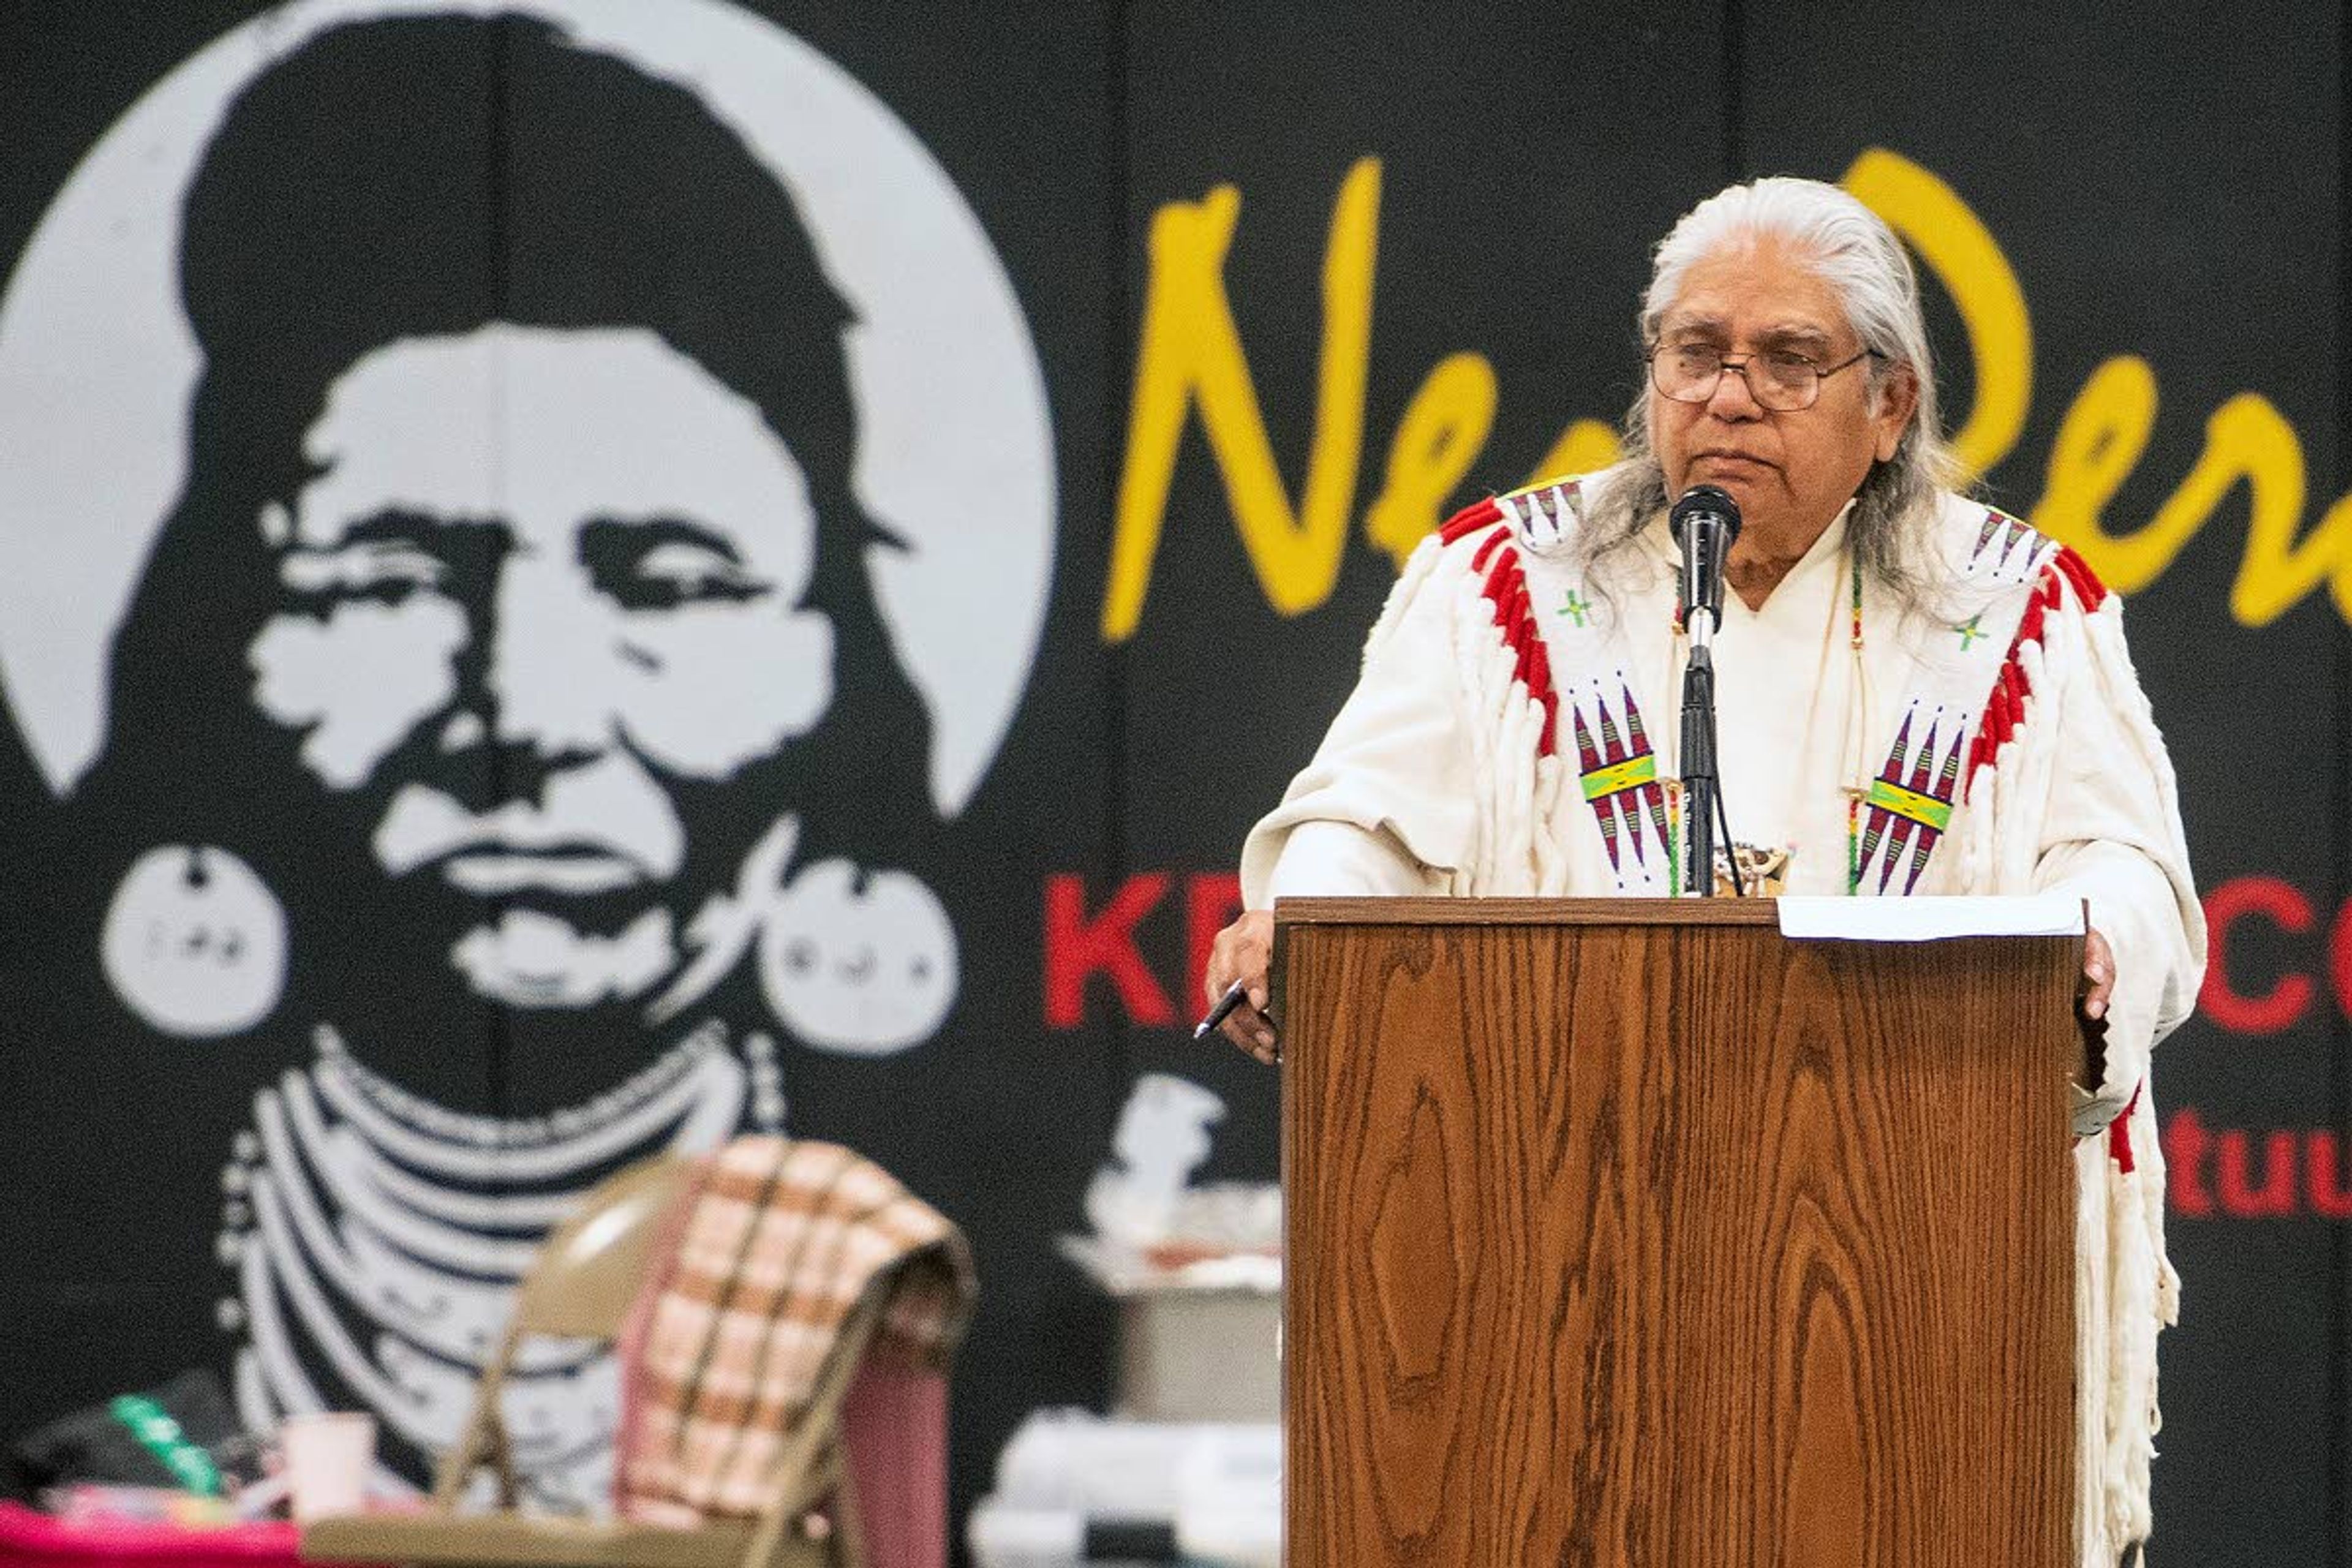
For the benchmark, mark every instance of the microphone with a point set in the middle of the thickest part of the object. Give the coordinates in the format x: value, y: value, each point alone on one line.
x: 1705, y: 523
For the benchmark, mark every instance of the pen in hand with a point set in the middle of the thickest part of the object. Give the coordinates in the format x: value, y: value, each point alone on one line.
x: 1234, y: 996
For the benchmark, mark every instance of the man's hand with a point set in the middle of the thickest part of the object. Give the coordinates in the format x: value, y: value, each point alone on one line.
x: 2098, y: 974
x: 2093, y: 993
x: 1243, y: 951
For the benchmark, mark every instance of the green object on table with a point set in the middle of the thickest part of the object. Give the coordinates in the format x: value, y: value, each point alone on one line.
x: 161, y: 1435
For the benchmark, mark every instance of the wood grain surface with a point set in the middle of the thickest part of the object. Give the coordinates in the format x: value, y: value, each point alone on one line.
x: 1528, y: 911
x: 1674, y: 1243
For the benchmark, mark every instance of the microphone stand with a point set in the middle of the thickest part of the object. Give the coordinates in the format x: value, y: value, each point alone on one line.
x: 1706, y: 524
x: 1703, y: 806
x: 1701, y: 789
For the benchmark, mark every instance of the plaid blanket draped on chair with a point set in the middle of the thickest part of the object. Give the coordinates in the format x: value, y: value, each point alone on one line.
x: 794, y: 1259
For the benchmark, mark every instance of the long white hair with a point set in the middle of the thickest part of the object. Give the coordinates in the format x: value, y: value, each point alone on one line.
x: 1850, y: 249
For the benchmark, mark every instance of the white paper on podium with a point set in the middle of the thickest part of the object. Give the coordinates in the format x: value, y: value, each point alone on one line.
x: 1929, y: 920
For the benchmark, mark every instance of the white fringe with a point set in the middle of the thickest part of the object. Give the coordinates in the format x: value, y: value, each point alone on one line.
x: 2124, y: 1288
x: 1419, y: 567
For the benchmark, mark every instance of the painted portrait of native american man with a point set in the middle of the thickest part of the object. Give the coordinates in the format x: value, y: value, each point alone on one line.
x: 533, y: 649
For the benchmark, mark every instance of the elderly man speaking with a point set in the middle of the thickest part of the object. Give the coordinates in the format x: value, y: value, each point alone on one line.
x: 1927, y: 697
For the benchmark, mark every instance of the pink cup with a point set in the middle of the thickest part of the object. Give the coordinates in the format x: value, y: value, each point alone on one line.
x: 328, y: 1457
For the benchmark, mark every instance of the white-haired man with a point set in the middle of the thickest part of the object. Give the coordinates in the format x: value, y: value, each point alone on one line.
x: 1926, y: 696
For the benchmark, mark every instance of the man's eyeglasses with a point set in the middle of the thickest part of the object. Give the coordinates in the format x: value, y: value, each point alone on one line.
x: 1778, y: 379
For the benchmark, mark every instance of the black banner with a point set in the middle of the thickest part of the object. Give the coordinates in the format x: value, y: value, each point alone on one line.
x: 581, y: 579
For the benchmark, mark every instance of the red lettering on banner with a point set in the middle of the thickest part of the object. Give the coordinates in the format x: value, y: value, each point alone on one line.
x: 2211, y: 1173
x: 1110, y: 943
x: 2185, y: 1143
x: 2339, y: 963
x: 2276, y: 1198
x: 1211, y: 899
x: 1078, y: 945
x: 2331, y: 1197
x: 2281, y: 1006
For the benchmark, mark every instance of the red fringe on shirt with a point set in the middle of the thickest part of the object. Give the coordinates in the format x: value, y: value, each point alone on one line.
x: 2005, y: 708
x: 1504, y: 584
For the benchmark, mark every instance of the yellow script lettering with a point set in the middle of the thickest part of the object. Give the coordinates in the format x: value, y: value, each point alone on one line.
x: 1444, y: 427
x: 2098, y: 445
x: 2275, y: 573
x: 1960, y: 251
x: 1192, y: 354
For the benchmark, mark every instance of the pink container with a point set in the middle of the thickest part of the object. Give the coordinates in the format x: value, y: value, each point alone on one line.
x: 29, y: 1539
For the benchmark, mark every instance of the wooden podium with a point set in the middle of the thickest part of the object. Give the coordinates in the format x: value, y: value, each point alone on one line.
x: 1632, y: 1234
